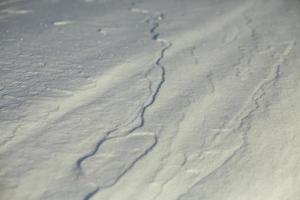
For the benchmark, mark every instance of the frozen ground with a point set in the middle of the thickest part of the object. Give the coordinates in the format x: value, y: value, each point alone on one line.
x: 149, y: 100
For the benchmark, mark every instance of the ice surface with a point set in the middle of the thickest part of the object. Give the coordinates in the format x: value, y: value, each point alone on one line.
x: 152, y: 100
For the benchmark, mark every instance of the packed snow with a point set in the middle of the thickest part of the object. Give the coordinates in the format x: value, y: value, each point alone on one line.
x: 149, y: 100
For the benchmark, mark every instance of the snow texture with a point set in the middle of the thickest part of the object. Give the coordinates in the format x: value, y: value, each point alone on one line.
x: 149, y: 100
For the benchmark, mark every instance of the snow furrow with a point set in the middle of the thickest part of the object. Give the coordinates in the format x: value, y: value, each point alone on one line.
x: 95, y: 150
x: 158, y: 63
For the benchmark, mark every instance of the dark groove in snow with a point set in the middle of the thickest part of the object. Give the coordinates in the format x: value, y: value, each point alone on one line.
x: 167, y: 45
x: 91, y: 194
x: 132, y: 164
x: 98, y: 145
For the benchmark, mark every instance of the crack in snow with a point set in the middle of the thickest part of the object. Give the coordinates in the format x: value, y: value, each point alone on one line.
x: 244, y: 121
x: 210, y: 80
x: 166, y: 45
x: 91, y: 194
x: 97, y: 146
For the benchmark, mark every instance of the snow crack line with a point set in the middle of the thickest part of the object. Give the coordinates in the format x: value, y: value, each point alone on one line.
x: 166, y: 46
x: 154, y: 21
x: 96, y: 148
x: 154, y: 95
x: 244, y: 118
x: 92, y: 193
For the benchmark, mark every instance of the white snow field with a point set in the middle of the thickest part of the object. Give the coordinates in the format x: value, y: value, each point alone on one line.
x: 149, y: 100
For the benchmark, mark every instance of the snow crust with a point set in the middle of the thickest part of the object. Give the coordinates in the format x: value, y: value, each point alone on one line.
x: 152, y: 100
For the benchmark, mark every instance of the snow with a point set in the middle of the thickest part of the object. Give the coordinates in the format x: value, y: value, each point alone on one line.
x: 153, y: 100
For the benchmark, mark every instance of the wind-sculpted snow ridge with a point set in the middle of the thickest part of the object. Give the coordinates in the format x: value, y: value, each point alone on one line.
x: 151, y: 100
x: 244, y: 118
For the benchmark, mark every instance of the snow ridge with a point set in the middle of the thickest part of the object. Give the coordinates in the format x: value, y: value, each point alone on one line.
x: 254, y: 105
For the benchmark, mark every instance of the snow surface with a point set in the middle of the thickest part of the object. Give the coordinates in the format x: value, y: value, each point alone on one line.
x: 149, y: 100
